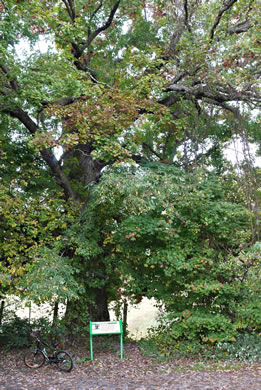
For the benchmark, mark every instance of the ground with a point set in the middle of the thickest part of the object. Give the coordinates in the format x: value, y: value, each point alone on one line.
x: 135, y: 372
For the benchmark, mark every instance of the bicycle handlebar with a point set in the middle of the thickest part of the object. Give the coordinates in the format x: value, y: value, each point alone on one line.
x: 54, y: 345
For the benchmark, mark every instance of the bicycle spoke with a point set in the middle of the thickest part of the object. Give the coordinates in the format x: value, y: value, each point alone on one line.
x: 64, y: 361
x: 34, y: 359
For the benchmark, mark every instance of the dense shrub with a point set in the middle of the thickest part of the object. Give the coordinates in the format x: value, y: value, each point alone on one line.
x: 195, y: 324
x: 246, y: 347
x: 15, y: 333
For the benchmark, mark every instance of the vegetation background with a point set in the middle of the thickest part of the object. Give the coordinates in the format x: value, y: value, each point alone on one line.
x: 114, y: 181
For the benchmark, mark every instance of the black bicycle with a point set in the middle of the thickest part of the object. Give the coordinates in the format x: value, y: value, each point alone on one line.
x: 38, y: 356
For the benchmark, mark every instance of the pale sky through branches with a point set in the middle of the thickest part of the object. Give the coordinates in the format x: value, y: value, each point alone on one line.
x: 233, y: 151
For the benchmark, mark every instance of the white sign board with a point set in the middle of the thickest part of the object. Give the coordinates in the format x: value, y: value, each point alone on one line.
x: 109, y: 327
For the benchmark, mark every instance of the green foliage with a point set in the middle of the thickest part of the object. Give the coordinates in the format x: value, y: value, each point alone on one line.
x: 129, y: 81
x: 26, y: 229
x: 15, y: 332
x: 198, y: 324
x: 49, y: 277
x: 176, y: 237
x: 84, y: 359
x: 49, y: 332
x: 247, y: 347
x: 150, y: 349
x: 153, y: 348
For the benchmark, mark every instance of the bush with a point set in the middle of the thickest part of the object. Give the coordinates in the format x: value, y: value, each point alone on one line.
x: 246, y: 347
x: 49, y: 332
x: 153, y: 348
x: 193, y: 326
x: 15, y: 333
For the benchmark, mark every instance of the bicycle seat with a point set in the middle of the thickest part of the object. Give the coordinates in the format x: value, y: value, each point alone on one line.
x: 56, y: 345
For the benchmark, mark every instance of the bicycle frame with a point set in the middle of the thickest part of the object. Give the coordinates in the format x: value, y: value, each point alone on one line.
x: 39, y: 347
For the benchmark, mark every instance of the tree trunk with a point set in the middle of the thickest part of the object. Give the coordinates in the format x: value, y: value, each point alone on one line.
x: 2, y: 311
x: 92, y: 306
x: 55, y: 313
x: 99, y: 310
x: 124, y: 319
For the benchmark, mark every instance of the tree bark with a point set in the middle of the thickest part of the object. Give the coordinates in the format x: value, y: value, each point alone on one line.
x: 79, y: 313
x: 124, y: 319
x: 55, y: 313
x: 99, y: 310
x: 2, y: 305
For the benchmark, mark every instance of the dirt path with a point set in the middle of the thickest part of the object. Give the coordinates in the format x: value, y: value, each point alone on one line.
x: 134, y: 372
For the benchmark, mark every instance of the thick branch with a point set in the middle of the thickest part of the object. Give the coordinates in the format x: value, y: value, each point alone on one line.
x: 59, y: 102
x: 96, y: 10
x: 240, y: 27
x: 69, y: 4
x: 72, y: 5
x: 175, y: 38
x: 220, y: 95
x: 186, y: 15
x: 183, y: 74
x: 47, y: 154
x: 147, y: 146
x: 179, y: 77
x: 13, y: 82
x: 61, y: 178
x: 102, y: 28
x: 169, y: 100
x: 228, y: 4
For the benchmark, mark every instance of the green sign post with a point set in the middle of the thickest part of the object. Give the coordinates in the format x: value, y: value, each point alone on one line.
x: 106, y: 327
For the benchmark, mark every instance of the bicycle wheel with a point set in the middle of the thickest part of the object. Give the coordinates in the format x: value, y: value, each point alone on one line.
x: 64, y: 361
x: 34, y: 359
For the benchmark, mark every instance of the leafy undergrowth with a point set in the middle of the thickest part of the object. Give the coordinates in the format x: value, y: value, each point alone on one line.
x: 245, y: 349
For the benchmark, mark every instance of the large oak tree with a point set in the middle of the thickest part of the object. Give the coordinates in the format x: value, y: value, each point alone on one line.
x: 124, y: 80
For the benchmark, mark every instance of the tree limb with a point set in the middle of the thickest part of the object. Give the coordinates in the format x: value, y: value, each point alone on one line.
x: 13, y: 82
x: 183, y: 74
x: 147, y: 146
x: 69, y: 4
x: 60, y: 102
x: 169, y: 100
x: 220, y: 95
x: 72, y: 5
x: 185, y: 4
x: 228, y: 4
x: 96, y: 10
x: 102, y: 28
x: 47, y: 154
x: 175, y: 38
x: 240, y: 27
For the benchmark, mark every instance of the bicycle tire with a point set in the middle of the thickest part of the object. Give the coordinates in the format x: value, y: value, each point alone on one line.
x: 64, y: 361
x: 34, y: 359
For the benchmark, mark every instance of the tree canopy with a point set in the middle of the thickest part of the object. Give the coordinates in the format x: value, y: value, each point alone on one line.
x: 86, y: 85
